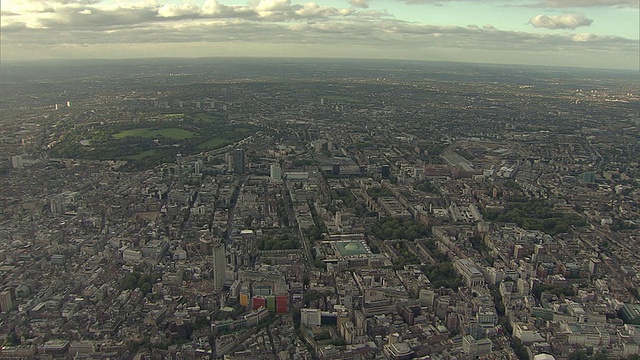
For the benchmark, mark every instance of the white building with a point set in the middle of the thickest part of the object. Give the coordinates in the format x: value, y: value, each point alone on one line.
x: 275, y: 174
x: 310, y: 317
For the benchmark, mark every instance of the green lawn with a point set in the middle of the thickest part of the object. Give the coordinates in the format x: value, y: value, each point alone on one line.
x: 174, y: 133
x: 142, y: 155
x: 208, y: 118
x: 168, y: 133
x: 213, y: 143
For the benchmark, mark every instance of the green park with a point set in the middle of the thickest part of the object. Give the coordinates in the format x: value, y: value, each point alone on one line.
x: 146, y: 143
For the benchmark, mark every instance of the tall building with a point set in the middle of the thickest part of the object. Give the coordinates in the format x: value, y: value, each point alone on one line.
x: 6, y: 301
x: 385, y: 171
x: 275, y: 173
x: 219, y: 263
x: 17, y: 162
x: 237, y: 161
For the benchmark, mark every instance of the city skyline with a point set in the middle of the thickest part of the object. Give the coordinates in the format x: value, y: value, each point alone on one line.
x: 580, y: 33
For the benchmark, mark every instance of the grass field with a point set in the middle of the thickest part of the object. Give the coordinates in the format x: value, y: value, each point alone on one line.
x: 142, y: 155
x: 213, y: 143
x: 168, y: 133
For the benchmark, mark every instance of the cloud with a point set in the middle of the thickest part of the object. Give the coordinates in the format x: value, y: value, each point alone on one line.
x: 560, y: 22
x: 585, y: 37
x: 67, y: 14
x: 540, y: 3
x: 99, y: 28
x: 585, y: 3
x: 178, y: 10
x: 359, y: 3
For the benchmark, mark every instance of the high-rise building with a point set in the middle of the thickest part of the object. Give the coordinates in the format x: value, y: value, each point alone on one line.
x: 17, y: 162
x: 6, y: 301
x: 275, y: 173
x: 219, y: 263
x: 238, y: 161
x: 335, y: 169
x: 385, y: 171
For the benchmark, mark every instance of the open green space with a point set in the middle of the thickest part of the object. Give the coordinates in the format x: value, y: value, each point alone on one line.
x: 536, y: 214
x: 207, y: 117
x: 169, y: 133
x: 178, y: 133
x: 213, y: 143
x: 142, y: 155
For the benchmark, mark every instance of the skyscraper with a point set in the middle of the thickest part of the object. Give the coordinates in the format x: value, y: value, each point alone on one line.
x: 238, y: 162
x: 275, y: 173
x: 219, y: 263
x: 6, y: 301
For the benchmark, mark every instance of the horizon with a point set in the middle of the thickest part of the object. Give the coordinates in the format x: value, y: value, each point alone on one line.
x: 193, y: 60
x: 574, y: 33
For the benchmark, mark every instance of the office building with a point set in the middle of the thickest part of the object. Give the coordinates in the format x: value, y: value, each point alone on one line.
x: 237, y: 161
x: 219, y: 264
x: 6, y: 301
x: 275, y: 174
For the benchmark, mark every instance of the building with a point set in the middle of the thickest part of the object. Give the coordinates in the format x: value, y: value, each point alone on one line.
x: 155, y: 250
x: 275, y: 174
x: 396, y: 349
x: 385, y: 171
x: 630, y: 313
x: 17, y: 162
x: 6, y: 301
x: 219, y: 264
x: 237, y: 161
x: 258, y: 302
x: 55, y: 347
x: 310, y: 317
x: 475, y: 347
x: 57, y: 259
x: 469, y: 272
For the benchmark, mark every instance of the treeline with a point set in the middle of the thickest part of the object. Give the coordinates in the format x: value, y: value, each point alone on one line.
x: 377, y: 192
x: 442, y: 274
x: 427, y: 186
x: 137, y: 280
x: 536, y: 214
x: 399, y: 228
x: 283, y: 243
x: 405, y: 256
x: 557, y: 290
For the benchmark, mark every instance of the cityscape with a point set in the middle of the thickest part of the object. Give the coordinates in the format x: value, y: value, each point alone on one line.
x: 263, y: 208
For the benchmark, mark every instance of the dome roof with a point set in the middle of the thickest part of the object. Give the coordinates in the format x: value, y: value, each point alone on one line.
x: 544, y: 357
x: 352, y: 246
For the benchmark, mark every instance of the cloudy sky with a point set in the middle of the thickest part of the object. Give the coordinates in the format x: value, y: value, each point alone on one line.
x: 584, y: 33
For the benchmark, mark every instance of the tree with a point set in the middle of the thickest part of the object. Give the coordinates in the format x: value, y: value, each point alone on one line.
x: 12, y: 339
x: 399, y: 228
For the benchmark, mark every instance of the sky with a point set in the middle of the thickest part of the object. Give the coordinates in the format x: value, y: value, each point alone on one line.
x: 580, y: 33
